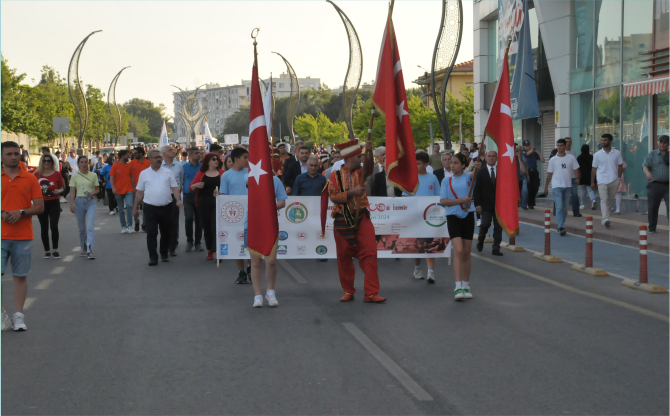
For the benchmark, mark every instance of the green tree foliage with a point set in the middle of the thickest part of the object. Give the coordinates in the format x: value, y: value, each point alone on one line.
x: 320, y: 129
x: 144, y: 109
x: 466, y: 109
x: 139, y: 126
x: 17, y: 116
x: 238, y: 123
x: 50, y: 98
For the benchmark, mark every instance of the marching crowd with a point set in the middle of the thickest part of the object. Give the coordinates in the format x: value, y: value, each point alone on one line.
x: 162, y: 182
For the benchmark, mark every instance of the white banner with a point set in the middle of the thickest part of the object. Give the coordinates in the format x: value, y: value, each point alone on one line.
x: 405, y: 227
x: 231, y: 139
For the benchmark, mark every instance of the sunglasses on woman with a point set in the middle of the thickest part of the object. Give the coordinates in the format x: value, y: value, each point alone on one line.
x: 48, y: 160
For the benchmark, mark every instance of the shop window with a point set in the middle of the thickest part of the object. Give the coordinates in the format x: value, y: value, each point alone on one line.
x: 493, y: 50
x: 581, y: 51
x: 635, y: 143
x: 636, y: 38
x: 662, y: 109
x: 581, y: 120
x: 607, y: 114
x: 608, y: 42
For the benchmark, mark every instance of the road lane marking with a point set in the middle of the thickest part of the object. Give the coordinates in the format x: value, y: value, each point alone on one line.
x: 297, y: 276
x: 76, y: 249
x: 97, y: 228
x: 57, y: 270
x: 628, y: 306
x: 44, y: 284
x: 28, y: 303
x: 68, y: 258
x: 387, y: 362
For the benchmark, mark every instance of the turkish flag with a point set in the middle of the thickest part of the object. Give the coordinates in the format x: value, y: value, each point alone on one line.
x: 263, y: 226
x: 499, y: 128
x: 390, y: 99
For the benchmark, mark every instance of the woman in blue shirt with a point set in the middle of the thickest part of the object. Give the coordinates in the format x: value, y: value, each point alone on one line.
x: 108, y: 185
x: 454, y: 195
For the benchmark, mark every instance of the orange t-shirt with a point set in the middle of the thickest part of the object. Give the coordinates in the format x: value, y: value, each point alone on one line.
x: 23, y: 166
x: 121, y: 174
x: 136, y: 167
x: 18, y: 193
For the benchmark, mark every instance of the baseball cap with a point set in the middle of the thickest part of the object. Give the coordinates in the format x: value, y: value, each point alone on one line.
x: 526, y: 143
x: 663, y: 138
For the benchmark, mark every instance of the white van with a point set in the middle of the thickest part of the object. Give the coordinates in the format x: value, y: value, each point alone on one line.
x: 112, y: 149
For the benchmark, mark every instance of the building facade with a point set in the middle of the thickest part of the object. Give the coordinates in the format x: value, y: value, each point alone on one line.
x: 281, y: 86
x: 601, y: 66
x: 461, y: 76
x: 221, y: 102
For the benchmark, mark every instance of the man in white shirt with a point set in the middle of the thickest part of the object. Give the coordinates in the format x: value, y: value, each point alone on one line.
x: 72, y: 160
x: 560, y: 172
x: 156, y: 187
x: 607, y: 169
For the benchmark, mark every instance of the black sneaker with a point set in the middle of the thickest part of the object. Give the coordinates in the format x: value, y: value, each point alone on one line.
x: 47, y: 255
x: 576, y: 214
x: 561, y: 231
x: 56, y: 255
x: 137, y: 227
x: 144, y: 228
x: 241, y: 278
x: 249, y: 274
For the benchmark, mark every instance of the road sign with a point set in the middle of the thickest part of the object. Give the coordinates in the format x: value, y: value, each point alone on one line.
x: 61, y: 125
x: 286, y: 139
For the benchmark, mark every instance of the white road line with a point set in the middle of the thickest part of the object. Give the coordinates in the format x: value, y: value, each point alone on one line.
x: 387, y: 362
x: 76, y: 249
x: 297, y: 276
x: 97, y: 228
x: 68, y: 258
x: 58, y: 270
x: 44, y: 284
x: 595, y: 239
x: 29, y: 302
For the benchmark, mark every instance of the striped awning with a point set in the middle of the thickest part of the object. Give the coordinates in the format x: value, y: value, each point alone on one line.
x: 648, y: 86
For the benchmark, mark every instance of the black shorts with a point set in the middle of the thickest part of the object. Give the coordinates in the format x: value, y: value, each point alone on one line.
x: 461, y: 227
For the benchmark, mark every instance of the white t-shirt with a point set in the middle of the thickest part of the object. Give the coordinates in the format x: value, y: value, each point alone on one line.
x: 474, y: 155
x: 607, y: 165
x: 562, y: 169
x: 73, y: 164
x: 157, y: 186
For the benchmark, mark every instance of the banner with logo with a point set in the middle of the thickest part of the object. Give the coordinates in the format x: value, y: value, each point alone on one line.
x: 405, y: 227
x: 513, y: 23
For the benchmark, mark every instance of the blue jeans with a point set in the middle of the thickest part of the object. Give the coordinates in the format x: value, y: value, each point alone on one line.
x: 84, y: 210
x: 128, y: 199
x: 20, y: 252
x: 562, y: 200
x: 574, y: 196
x: 523, y: 187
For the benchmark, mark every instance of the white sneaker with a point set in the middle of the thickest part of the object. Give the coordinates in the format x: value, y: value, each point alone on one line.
x: 458, y: 294
x: 112, y: 212
x: 272, y: 299
x: 124, y: 230
x: 418, y: 274
x: 581, y: 207
x: 593, y: 205
x: 617, y: 212
x: 431, y: 276
x: 466, y: 293
x: 63, y: 200
x: 131, y: 230
x: 17, y: 322
x: 258, y: 301
x: 5, y: 321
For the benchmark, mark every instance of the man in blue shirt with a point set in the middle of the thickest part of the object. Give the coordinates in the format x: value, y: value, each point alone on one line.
x: 310, y: 183
x: 191, y: 168
x: 429, y: 185
x: 233, y: 182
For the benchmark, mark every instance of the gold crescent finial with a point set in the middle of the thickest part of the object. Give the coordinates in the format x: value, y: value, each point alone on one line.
x: 254, y: 34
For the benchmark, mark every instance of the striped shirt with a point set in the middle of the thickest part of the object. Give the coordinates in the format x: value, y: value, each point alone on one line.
x: 655, y: 163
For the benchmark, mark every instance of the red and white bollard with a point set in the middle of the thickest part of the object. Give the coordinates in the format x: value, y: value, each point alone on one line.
x: 643, y: 254
x: 547, y: 241
x: 589, y: 242
x: 547, y: 232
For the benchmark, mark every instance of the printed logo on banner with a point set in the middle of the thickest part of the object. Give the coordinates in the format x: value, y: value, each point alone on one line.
x: 283, y: 235
x: 232, y: 212
x: 379, y: 207
x: 301, y: 250
x: 240, y: 236
x: 302, y: 236
x: 242, y: 249
x: 223, y: 236
x: 296, y: 213
x: 321, y: 250
x: 282, y: 249
x: 323, y: 236
x: 223, y: 249
x: 400, y: 207
x: 434, y: 215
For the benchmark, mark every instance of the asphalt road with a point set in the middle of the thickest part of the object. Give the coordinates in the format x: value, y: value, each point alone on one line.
x: 114, y: 336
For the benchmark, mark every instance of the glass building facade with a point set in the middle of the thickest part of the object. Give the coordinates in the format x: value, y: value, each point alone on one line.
x: 610, y: 41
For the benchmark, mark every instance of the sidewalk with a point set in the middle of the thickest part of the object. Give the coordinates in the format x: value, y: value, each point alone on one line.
x: 624, y: 228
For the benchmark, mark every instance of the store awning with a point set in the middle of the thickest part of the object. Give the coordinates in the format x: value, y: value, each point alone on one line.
x: 649, y: 86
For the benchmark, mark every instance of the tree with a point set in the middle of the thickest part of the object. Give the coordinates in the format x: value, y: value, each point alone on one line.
x: 466, y: 109
x: 139, y: 126
x: 320, y: 129
x: 17, y: 116
x: 238, y: 123
x: 50, y: 98
x: 145, y: 109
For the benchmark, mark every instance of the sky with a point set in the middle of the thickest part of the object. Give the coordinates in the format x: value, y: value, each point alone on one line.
x: 189, y: 43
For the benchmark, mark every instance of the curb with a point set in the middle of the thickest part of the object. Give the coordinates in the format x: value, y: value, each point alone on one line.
x: 589, y: 270
x: 635, y: 243
x: 548, y: 259
x: 515, y: 248
x: 644, y: 287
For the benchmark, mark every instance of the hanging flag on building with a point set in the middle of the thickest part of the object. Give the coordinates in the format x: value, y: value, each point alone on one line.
x: 163, y: 141
x: 263, y: 225
x: 513, y: 23
x: 390, y: 99
x: 499, y: 128
x: 267, y: 109
x: 207, y: 137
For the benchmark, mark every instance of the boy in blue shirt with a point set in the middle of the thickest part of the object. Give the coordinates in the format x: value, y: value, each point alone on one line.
x: 233, y: 182
x: 429, y: 185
